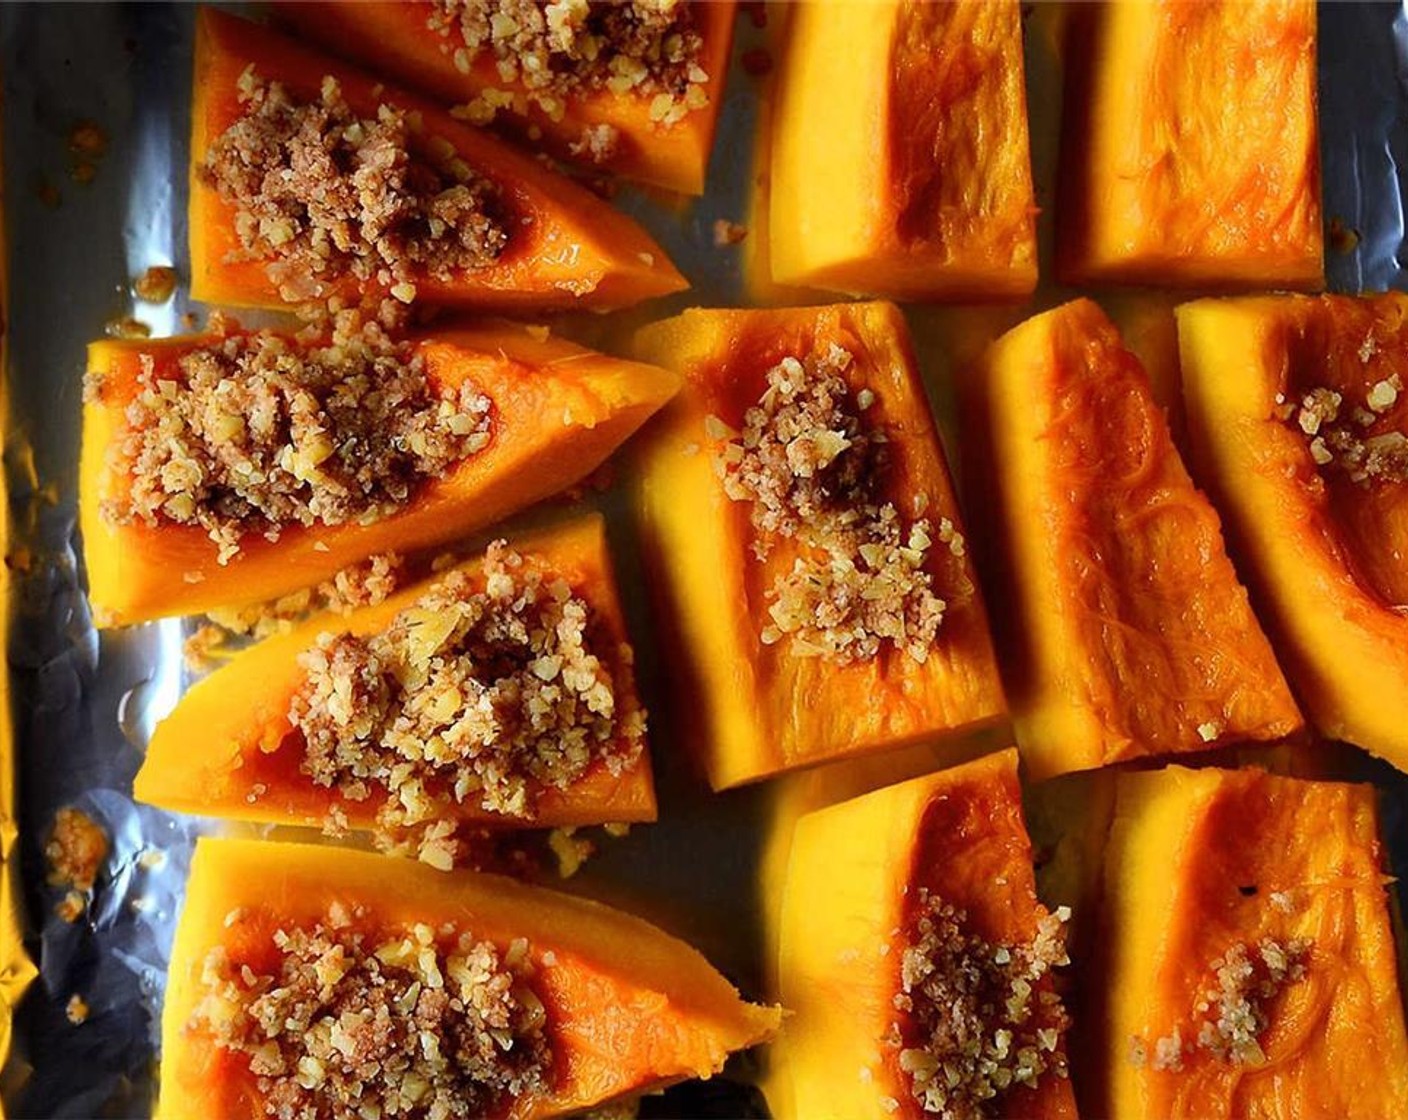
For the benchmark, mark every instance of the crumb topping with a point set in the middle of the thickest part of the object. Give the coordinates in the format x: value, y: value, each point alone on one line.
x: 322, y: 194
x: 1354, y: 440
x: 475, y: 694
x: 972, y: 1022
x: 156, y: 285
x: 553, y: 50
x: 810, y: 468
x: 259, y: 434
x: 416, y: 1022
x: 76, y: 850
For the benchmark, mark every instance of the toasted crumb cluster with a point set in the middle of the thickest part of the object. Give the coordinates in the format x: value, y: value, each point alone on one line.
x: 551, y: 50
x: 259, y: 434
x: 1353, y: 440
x: 474, y: 694
x: 76, y: 850
x: 415, y: 1022
x: 973, y: 1023
x: 156, y: 285
x: 322, y: 194
x: 811, y: 468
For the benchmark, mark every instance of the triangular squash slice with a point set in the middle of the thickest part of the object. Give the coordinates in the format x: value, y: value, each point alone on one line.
x: 625, y: 1007
x: 564, y: 246
x: 557, y: 411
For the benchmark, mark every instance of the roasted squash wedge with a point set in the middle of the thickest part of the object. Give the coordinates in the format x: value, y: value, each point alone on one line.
x: 230, y: 748
x: 756, y: 657
x: 1297, y: 416
x: 625, y: 1007
x: 1124, y: 629
x: 557, y: 411
x: 1190, y: 150
x: 565, y: 247
x: 900, y: 161
x: 398, y: 39
x: 861, y: 882
x: 1251, y: 959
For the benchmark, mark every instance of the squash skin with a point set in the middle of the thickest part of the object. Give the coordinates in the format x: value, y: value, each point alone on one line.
x: 391, y: 37
x: 1159, y: 184
x: 1324, y: 557
x: 630, y: 1007
x: 923, y: 108
x: 230, y: 733
x: 759, y: 710
x: 960, y: 833
x: 574, y: 251
x: 138, y: 572
x: 1127, y: 581
x: 1182, y: 844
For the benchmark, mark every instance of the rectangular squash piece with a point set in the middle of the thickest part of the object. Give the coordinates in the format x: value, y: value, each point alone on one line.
x: 1190, y: 150
x: 1251, y: 959
x: 459, y: 218
x: 613, y: 109
x: 1124, y: 629
x: 909, y: 918
x: 900, y: 158
x: 533, y: 630
x: 806, y: 542
x: 346, y: 983
x: 1299, y: 424
x: 555, y: 411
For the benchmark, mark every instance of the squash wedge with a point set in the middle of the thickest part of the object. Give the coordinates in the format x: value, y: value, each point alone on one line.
x: 1124, y: 629
x: 765, y: 703
x: 1190, y: 151
x: 566, y: 248
x: 229, y: 748
x: 628, y: 1007
x: 1251, y: 959
x: 558, y: 411
x: 853, y: 887
x: 397, y: 39
x: 900, y: 159
x: 1323, y: 549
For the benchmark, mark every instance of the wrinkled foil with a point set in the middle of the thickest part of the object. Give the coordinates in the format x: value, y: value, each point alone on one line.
x: 86, y: 702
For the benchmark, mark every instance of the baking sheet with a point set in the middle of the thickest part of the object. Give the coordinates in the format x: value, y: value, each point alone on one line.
x: 85, y: 703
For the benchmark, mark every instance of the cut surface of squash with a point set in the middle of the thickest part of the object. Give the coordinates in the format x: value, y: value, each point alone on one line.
x: 565, y: 247
x: 1190, y: 153
x: 627, y: 1008
x: 1251, y: 960
x: 557, y: 411
x: 769, y: 698
x: 900, y: 158
x: 1125, y: 630
x: 1299, y: 425
x: 398, y: 39
x: 857, y: 883
x: 231, y: 749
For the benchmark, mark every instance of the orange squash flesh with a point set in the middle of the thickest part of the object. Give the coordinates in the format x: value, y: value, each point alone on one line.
x: 761, y: 709
x: 1201, y: 860
x: 1324, y: 555
x: 229, y: 750
x: 629, y: 1008
x: 557, y: 412
x: 566, y: 247
x: 854, y: 871
x: 1190, y: 154
x: 900, y: 158
x: 393, y: 37
x: 1125, y: 630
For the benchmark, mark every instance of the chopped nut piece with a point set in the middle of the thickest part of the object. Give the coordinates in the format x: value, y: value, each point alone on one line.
x: 127, y: 327
x: 76, y: 850
x: 76, y: 1010
x: 411, y: 1022
x: 570, y: 849
x: 156, y: 285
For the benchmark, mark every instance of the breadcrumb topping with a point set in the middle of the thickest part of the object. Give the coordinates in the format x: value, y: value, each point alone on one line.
x: 76, y: 850
x: 478, y: 693
x: 972, y: 1022
x: 810, y: 468
x: 322, y: 194
x: 259, y: 433
x: 554, y: 50
x: 413, y: 1022
x: 1357, y: 441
